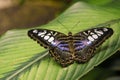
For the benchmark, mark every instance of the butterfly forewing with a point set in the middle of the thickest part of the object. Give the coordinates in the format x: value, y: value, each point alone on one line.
x: 45, y: 37
x: 87, y: 41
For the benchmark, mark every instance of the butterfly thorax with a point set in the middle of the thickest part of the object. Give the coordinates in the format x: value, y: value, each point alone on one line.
x: 69, y: 33
x: 70, y: 36
x: 71, y: 42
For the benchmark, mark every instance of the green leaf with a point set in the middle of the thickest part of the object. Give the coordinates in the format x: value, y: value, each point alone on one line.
x: 21, y: 58
x: 99, y: 2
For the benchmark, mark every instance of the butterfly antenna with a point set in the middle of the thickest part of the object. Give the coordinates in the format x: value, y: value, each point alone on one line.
x: 75, y: 24
x: 67, y: 28
x: 63, y: 25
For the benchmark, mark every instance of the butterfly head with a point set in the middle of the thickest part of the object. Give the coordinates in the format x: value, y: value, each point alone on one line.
x: 70, y: 34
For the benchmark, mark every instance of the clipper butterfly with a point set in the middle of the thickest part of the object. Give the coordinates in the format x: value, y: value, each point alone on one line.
x: 67, y: 49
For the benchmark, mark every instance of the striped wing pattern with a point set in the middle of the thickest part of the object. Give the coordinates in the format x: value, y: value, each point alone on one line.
x: 66, y: 49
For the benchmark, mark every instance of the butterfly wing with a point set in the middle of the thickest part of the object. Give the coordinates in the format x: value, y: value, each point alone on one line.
x: 62, y: 54
x: 43, y: 36
x: 56, y: 42
x: 87, y: 41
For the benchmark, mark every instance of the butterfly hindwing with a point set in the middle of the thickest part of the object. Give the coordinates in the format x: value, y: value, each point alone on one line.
x: 87, y: 41
x: 64, y: 58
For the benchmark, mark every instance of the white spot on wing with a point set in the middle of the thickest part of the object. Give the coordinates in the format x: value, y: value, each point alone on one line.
x: 85, y: 33
x: 35, y: 31
x: 94, y: 36
x: 51, y: 39
x: 55, y: 34
x: 46, y: 37
x: 89, y: 42
x: 90, y: 38
x: 53, y: 43
x: 42, y: 33
x: 99, y: 33
x: 92, y: 33
x: 105, y: 29
x: 39, y: 34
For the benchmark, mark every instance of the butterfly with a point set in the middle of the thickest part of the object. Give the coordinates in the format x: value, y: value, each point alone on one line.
x: 67, y: 49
